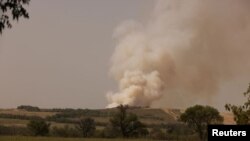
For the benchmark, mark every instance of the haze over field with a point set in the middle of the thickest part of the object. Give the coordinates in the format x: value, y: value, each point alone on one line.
x: 169, y: 53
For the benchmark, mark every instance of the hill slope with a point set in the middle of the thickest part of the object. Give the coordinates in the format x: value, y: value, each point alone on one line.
x: 60, y: 117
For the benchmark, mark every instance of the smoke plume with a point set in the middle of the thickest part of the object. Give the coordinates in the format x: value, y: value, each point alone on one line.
x: 184, y: 51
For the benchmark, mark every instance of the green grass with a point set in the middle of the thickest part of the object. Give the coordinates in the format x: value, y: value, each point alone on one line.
x: 21, y: 138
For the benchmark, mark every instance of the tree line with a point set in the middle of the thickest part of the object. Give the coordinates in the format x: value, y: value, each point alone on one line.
x: 192, y: 124
x: 123, y: 124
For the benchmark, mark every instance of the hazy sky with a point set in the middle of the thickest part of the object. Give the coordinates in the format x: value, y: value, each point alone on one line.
x: 60, y: 57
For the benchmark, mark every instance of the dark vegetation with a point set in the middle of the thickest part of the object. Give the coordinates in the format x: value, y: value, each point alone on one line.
x: 38, y: 127
x: 14, y: 130
x: 127, y: 124
x: 12, y: 10
x: 29, y: 108
x: 198, y: 117
x: 65, y: 131
x: 120, y: 122
x: 22, y: 117
x: 86, y: 127
x: 242, y: 112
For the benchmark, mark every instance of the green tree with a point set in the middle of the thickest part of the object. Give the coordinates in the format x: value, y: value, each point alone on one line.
x: 86, y: 126
x: 241, y: 113
x: 198, y: 117
x: 14, y: 9
x: 38, y: 127
x: 127, y: 124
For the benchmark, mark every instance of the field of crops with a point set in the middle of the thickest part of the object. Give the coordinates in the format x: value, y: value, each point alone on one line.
x: 18, y: 138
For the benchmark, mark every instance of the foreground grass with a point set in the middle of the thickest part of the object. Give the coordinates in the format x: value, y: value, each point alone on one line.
x: 22, y: 138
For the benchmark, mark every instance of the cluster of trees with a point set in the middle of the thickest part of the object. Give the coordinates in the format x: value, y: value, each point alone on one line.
x: 29, y: 108
x: 122, y: 124
x: 127, y: 125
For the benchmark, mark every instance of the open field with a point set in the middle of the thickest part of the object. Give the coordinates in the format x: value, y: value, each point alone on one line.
x: 27, y: 113
x: 19, y: 138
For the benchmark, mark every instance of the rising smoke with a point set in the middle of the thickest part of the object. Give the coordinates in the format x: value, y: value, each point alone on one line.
x: 183, y: 52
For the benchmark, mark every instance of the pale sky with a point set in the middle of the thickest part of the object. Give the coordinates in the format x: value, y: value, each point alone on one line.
x: 60, y: 57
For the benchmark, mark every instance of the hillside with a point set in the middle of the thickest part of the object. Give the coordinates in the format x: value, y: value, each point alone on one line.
x: 61, y: 117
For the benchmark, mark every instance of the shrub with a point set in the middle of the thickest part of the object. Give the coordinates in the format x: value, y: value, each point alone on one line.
x: 110, y: 132
x: 38, y: 127
x: 127, y: 124
x: 65, y: 131
x: 157, y: 133
x: 176, y: 131
x: 86, y: 126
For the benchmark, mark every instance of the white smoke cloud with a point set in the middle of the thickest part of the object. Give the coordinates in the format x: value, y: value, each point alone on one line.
x: 137, y: 88
x: 184, y: 51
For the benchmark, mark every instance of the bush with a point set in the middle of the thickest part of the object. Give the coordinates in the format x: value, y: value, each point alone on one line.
x: 38, y: 127
x: 86, y: 126
x: 110, y: 132
x: 98, y: 133
x: 176, y: 131
x: 126, y: 123
x: 143, y: 132
x: 157, y: 133
x: 65, y: 131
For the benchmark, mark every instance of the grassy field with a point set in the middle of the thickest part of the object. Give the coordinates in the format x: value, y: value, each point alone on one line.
x: 12, y: 122
x: 17, y: 138
x: 23, y: 112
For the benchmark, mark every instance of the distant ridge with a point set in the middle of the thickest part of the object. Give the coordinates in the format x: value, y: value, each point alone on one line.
x: 150, y: 116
